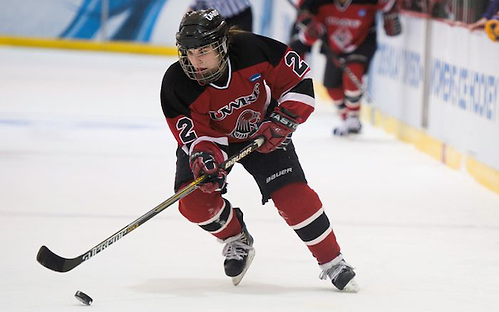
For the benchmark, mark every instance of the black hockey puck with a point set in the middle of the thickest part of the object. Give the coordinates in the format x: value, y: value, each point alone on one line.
x: 83, y: 297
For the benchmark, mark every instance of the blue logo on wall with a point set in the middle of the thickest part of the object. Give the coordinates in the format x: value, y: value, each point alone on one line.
x: 255, y: 77
x: 126, y: 20
x: 362, y: 13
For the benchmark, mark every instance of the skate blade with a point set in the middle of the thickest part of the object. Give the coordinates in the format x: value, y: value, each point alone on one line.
x: 237, y: 279
x: 351, y: 287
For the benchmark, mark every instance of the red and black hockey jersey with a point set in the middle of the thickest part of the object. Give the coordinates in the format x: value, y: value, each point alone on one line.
x: 346, y: 23
x: 260, y: 70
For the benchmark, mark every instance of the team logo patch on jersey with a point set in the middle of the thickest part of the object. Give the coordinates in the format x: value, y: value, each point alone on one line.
x: 247, y: 124
x: 342, y: 37
x: 362, y: 13
x: 255, y: 77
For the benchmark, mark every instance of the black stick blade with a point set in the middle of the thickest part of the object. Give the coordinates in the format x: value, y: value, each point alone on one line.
x: 54, y: 262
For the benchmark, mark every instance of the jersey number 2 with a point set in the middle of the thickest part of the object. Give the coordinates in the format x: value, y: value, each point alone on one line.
x: 294, y: 61
x: 185, y: 126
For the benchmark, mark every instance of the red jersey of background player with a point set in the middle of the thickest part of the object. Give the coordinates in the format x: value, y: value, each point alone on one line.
x: 231, y: 110
x: 346, y: 23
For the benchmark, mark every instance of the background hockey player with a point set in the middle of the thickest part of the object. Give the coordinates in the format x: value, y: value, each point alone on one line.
x: 228, y: 88
x: 348, y: 32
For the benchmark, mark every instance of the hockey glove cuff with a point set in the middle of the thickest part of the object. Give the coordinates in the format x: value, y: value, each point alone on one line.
x: 277, y: 130
x: 205, y: 159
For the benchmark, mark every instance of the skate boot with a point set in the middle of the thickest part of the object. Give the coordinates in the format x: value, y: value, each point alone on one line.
x: 238, y: 252
x: 340, y: 273
x: 351, y: 124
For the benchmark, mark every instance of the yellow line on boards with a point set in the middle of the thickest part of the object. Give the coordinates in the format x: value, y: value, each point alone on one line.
x: 108, y: 46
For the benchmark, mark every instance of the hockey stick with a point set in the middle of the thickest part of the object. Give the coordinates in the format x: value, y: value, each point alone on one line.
x: 52, y: 261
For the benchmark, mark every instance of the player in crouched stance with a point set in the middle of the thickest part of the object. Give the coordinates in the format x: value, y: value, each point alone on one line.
x: 228, y: 88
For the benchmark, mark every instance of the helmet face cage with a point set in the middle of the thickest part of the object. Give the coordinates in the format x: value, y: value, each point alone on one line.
x: 198, y: 30
x: 220, y: 52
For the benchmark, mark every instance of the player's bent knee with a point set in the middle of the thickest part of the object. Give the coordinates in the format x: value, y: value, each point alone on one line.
x: 199, y: 206
x: 296, y: 202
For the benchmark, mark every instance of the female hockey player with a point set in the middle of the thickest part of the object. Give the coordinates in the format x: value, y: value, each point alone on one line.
x: 228, y: 88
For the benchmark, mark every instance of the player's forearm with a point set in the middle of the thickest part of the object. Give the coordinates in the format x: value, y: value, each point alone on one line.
x: 299, y: 101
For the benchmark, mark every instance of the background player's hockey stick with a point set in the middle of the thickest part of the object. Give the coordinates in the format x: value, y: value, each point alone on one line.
x: 59, y: 264
x: 342, y: 64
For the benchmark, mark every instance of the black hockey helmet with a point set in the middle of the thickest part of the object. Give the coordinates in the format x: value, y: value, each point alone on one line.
x: 199, y: 29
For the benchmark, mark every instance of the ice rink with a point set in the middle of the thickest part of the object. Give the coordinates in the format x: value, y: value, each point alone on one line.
x: 85, y: 150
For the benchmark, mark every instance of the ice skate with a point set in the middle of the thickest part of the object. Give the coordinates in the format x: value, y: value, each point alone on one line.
x: 340, y: 273
x: 238, y: 252
x: 350, y: 125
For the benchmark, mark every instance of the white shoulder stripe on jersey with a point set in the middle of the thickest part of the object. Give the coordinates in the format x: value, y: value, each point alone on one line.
x: 297, y: 97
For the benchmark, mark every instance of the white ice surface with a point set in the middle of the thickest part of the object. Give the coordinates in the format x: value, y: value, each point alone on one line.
x: 84, y: 150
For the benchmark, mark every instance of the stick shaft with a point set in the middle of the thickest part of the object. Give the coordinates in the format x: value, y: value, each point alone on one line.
x: 52, y: 261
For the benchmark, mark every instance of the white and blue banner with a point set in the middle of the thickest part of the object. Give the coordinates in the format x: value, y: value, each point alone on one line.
x: 463, y: 101
x: 442, y: 79
x: 153, y: 21
x: 396, y: 75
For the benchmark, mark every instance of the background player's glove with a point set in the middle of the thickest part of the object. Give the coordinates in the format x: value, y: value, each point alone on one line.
x: 276, y: 130
x: 205, y: 159
x: 391, y: 23
x: 310, y: 30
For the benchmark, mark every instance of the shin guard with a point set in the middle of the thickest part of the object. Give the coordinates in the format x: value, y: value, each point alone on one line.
x: 302, y: 210
x: 212, y: 213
